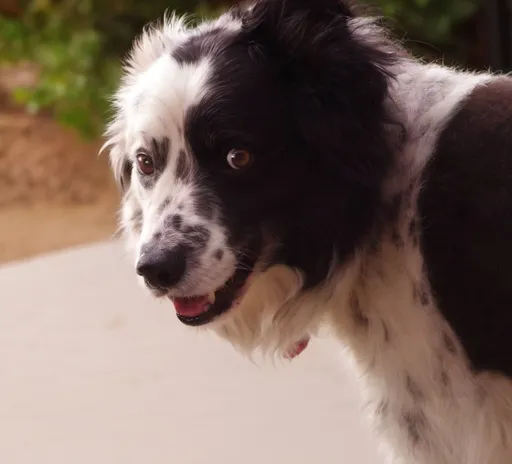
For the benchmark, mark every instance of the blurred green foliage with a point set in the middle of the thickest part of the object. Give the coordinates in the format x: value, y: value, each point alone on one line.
x: 77, y: 45
x: 430, y: 28
x: 74, y: 79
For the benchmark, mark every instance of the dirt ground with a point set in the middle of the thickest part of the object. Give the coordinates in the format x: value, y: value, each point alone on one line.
x: 55, y: 192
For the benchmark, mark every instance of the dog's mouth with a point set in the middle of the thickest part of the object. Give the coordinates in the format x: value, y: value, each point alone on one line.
x: 200, y: 310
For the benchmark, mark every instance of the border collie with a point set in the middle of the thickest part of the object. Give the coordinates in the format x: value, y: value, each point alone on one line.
x: 288, y: 166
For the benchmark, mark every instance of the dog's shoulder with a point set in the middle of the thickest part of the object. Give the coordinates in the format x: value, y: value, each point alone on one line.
x: 466, y: 210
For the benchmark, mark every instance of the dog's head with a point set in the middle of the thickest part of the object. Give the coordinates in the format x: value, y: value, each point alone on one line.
x: 251, y: 151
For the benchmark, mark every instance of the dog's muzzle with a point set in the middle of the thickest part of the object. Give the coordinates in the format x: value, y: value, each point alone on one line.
x: 164, y: 269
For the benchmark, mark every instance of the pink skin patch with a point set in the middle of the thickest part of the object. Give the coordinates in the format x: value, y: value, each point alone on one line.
x: 297, y: 349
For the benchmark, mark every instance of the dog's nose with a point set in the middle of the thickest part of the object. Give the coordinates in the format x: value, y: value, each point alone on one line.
x: 162, y: 268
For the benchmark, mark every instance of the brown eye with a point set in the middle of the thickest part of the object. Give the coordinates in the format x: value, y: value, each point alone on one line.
x: 145, y: 164
x: 239, y: 159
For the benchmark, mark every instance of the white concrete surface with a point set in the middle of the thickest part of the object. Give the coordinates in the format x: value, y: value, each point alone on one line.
x: 93, y: 371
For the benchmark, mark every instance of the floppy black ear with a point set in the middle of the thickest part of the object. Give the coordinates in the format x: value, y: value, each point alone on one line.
x: 335, y: 78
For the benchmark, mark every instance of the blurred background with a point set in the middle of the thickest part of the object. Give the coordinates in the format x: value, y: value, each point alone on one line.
x: 59, y: 60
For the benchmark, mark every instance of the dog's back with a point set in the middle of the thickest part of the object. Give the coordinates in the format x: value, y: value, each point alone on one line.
x: 465, y: 207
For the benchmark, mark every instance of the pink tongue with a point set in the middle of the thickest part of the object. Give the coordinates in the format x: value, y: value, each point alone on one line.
x: 191, y: 307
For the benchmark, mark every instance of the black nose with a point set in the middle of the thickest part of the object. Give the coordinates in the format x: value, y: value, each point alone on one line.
x: 162, y: 268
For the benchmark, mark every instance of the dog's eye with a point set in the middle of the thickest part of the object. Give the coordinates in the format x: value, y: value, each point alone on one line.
x: 145, y: 164
x: 239, y: 159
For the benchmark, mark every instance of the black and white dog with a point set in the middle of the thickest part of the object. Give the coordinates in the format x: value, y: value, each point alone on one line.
x: 288, y: 167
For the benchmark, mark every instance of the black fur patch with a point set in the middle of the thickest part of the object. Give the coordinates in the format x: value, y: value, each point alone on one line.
x: 420, y: 293
x: 382, y: 408
x: 196, y: 236
x: 466, y: 208
x: 160, y: 152
x: 391, y: 210
x: 415, y: 423
x: 219, y: 254
x: 177, y: 222
x: 397, y: 239
x: 164, y: 205
x: 389, y: 220
x: 317, y: 118
x: 445, y: 379
x: 199, y: 46
x: 126, y: 175
x: 449, y: 344
x: 136, y: 221
x: 413, y: 388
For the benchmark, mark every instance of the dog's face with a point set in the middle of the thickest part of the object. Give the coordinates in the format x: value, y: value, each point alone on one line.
x: 251, y: 154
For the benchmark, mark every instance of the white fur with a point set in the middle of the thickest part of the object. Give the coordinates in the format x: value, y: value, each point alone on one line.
x: 152, y: 103
x: 464, y: 419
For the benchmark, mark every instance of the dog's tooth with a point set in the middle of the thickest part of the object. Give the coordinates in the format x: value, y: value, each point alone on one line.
x: 211, y: 297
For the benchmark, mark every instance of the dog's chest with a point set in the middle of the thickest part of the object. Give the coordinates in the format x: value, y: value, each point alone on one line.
x: 421, y: 395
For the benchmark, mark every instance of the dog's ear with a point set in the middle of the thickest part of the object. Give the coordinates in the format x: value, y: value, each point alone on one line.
x: 334, y: 70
